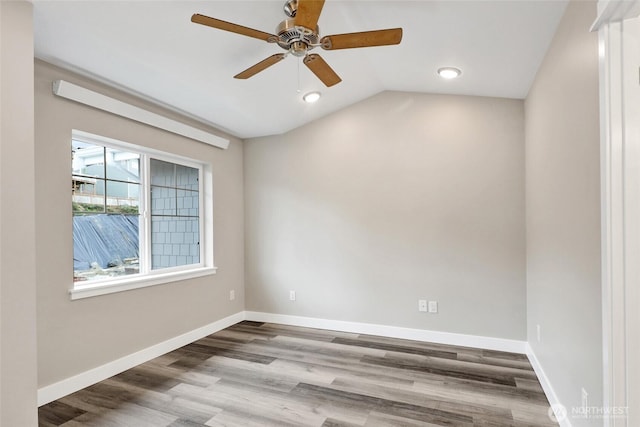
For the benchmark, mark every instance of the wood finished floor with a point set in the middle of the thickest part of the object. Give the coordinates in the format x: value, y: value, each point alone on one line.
x: 261, y: 374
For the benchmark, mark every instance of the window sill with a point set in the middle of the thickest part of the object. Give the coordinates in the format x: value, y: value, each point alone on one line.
x: 127, y: 284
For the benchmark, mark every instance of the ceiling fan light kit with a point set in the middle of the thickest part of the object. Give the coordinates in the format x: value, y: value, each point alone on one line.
x: 299, y: 34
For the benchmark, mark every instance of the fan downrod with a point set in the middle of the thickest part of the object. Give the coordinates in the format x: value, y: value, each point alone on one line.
x: 290, y: 8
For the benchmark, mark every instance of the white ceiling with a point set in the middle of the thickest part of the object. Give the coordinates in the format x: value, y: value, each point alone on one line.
x: 151, y: 48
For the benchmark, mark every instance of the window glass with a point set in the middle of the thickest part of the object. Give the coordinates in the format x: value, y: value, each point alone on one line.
x: 105, y: 200
x: 175, y: 231
x: 110, y: 234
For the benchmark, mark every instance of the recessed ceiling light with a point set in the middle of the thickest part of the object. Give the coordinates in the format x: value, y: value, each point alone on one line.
x: 311, y: 97
x: 449, y: 72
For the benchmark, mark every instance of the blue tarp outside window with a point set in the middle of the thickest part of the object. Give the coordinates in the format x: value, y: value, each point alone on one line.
x: 105, y: 240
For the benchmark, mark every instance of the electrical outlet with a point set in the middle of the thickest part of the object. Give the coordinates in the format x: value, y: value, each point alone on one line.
x: 433, y: 306
x: 585, y: 399
x: 422, y: 305
x: 232, y: 295
x: 292, y: 295
x: 538, y: 332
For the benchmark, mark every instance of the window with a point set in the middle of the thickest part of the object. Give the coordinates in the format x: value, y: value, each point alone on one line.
x: 139, y: 216
x: 175, y: 231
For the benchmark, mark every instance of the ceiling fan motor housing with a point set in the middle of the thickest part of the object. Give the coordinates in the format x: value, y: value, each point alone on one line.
x: 298, y: 40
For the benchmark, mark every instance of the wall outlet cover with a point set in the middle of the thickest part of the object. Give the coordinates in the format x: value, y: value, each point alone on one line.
x: 433, y: 306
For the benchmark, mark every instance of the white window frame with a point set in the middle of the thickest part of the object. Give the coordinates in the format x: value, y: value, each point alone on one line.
x: 148, y: 276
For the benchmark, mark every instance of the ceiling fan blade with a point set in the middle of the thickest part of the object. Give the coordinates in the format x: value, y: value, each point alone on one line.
x: 260, y: 66
x: 322, y: 70
x: 308, y: 13
x: 363, y: 39
x: 234, y: 28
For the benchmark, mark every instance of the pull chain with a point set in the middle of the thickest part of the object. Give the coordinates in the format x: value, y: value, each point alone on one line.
x: 298, y: 76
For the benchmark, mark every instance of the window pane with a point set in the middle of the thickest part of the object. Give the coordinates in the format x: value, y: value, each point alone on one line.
x: 163, y: 201
x: 123, y: 166
x: 87, y: 195
x: 122, y: 197
x: 163, y: 173
x: 88, y: 159
x: 175, y: 228
x: 186, y: 177
x: 175, y: 241
x: 105, y: 246
x: 187, y: 203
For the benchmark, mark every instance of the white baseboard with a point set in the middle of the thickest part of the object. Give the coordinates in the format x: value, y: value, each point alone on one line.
x: 70, y: 385
x: 78, y: 382
x: 489, y: 343
x: 546, y: 385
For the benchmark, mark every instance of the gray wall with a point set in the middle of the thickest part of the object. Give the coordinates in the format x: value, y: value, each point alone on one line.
x: 74, y: 336
x: 400, y: 197
x: 563, y: 211
x: 17, y: 231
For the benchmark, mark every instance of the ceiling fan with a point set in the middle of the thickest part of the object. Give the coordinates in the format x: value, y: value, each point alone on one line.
x: 299, y: 34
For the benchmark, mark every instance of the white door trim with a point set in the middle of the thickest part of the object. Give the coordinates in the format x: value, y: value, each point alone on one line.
x: 618, y: 26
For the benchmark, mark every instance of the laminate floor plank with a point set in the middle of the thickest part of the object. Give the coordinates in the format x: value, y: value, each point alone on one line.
x: 256, y: 374
x: 465, y: 366
x: 330, y: 422
x: 278, y: 346
x: 328, y: 374
x: 229, y: 418
x: 465, y: 394
x: 238, y: 336
x: 253, y: 403
x: 185, y: 409
x: 127, y: 415
x: 507, y: 363
x: 333, y: 368
x: 471, y: 409
x: 433, y: 370
x: 263, y: 378
x: 58, y: 413
x: 311, y: 333
x: 229, y: 350
x: 529, y: 384
x: 397, y: 348
x: 422, y: 344
x: 377, y: 419
x: 532, y: 415
x: 242, y: 327
x: 297, y: 351
x: 328, y: 347
x: 185, y: 423
x: 280, y: 373
x: 172, y: 374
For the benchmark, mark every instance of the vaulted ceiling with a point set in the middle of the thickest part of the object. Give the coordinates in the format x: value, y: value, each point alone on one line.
x: 151, y: 48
